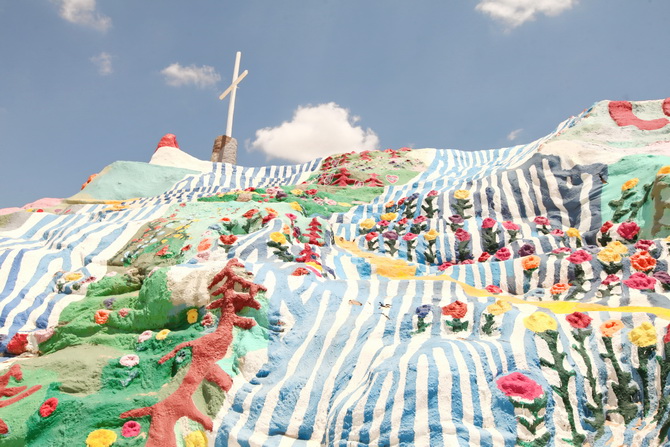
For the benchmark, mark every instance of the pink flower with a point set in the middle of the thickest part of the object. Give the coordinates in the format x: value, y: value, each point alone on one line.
x: 371, y: 235
x: 129, y: 360
x: 402, y: 221
x: 467, y: 261
x: 409, y: 237
x: 579, y: 320
x: 493, y: 289
x: 640, y: 281
x: 541, y: 220
x: 488, y: 223
x: 645, y: 244
x: 610, y: 279
x: 431, y: 193
x: 419, y: 220
x: 503, y: 254
x: 561, y: 250
x: 291, y: 216
x: 144, y: 336
x: 484, y: 257
x: 123, y: 313
x: 519, y: 385
x: 383, y: 223
x: 557, y: 232
x: 509, y: 225
x: 628, y: 230
x: 131, y: 429
x: 462, y: 235
x: 579, y: 256
x: 444, y: 266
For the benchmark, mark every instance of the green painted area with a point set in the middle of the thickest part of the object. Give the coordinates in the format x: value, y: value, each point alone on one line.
x: 119, y: 181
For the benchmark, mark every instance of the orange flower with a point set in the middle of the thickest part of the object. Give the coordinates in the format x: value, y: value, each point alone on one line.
x: 630, y: 184
x: 611, y: 327
x: 559, y: 288
x: 101, y: 316
x: 204, y: 244
x: 664, y: 170
x: 530, y: 262
x: 642, y: 261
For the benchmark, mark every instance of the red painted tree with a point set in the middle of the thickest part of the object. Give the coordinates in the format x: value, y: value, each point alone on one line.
x: 374, y: 181
x: 314, y: 232
x: 308, y: 255
x: 13, y: 393
x: 343, y: 178
x: 205, y: 352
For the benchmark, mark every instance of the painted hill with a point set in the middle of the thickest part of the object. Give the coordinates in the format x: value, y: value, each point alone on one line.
x: 515, y: 296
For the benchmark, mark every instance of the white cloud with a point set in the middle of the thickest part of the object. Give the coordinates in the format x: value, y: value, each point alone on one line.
x: 315, y: 131
x: 516, y: 12
x: 82, y: 12
x: 513, y: 135
x: 176, y: 75
x: 104, y: 63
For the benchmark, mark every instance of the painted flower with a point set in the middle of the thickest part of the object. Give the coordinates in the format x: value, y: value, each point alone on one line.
x: 519, y: 385
x: 666, y: 337
x: 540, y: 322
x: 488, y: 223
x: 419, y: 220
x: 559, y: 288
x: 493, y: 289
x: 131, y: 429
x: 371, y: 235
x: 643, y: 335
x: 402, y: 221
x: 249, y: 214
x: 484, y: 257
x: 431, y: 235
x: 642, y: 261
x: 409, y: 237
x: 630, y: 184
x: 462, y: 235
x: 561, y: 250
x: 573, y: 232
x: 228, y: 239
x: 662, y: 277
x: 628, y: 230
x: 162, y: 335
x: 389, y: 204
x: 73, y: 276
x: 367, y: 224
x: 579, y: 320
x: 445, y: 265
x: 579, y: 257
x: 640, y: 281
x: 456, y: 219
x: 503, y: 254
x: 100, y: 438
x: 123, y: 313
x: 101, y: 316
x: 557, y: 232
x: 278, y: 237
x: 423, y: 310
x: 526, y: 250
x: 606, y: 226
x: 48, y: 407
x: 664, y: 170
x: 296, y: 206
x: 611, y: 327
x: 541, y: 220
x: 195, y: 439
x: 610, y: 279
x: 499, y: 307
x: 645, y: 245
x: 462, y: 194
x: 129, y: 360
x: 311, y: 192
x: 390, y: 235
x: 509, y: 225
x: 457, y: 309
x: 144, y: 336
x: 300, y: 271
x: 192, y: 316
x: 530, y: 262
x: 297, y: 192
x: 607, y: 255
x: 389, y: 217
x: 208, y: 319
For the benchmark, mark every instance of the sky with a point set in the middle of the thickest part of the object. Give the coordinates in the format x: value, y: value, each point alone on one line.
x: 84, y: 83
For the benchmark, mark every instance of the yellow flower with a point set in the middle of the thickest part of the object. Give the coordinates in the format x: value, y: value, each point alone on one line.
x: 73, y: 276
x: 296, y: 206
x: 278, y: 237
x: 608, y: 255
x: 367, y: 224
x: 100, y: 438
x: 389, y: 217
x: 664, y: 170
x: 196, y: 439
x: 617, y: 247
x: 630, y: 184
x: 344, y: 204
x: 192, y: 316
x: 540, y: 322
x: 297, y: 192
x: 573, y: 232
x: 499, y: 307
x: 643, y: 335
x: 162, y: 335
x: 462, y: 194
x: 431, y: 235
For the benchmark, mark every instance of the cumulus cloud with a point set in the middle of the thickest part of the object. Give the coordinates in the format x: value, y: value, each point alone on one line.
x: 517, y: 12
x: 82, y: 12
x: 104, y: 63
x: 177, y: 75
x: 315, y: 131
x: 513, y: 135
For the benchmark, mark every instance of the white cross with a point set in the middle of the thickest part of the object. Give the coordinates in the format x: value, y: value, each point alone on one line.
x: 232, y: 89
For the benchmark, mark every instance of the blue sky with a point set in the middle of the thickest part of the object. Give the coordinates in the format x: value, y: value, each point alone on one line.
x: 84, y: 83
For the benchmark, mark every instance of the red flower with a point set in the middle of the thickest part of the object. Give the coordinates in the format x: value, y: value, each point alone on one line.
x: 579, y: 320
x: 444, y: 266
x: 409, y: 237
x: 579, y: 256
x: 401, y: 201
x: 371, y: 235
x: 488, y: 223
x: 228, y: 239
x: 163, y: 251
x: 300, y: 271
x: 606, y: 227
x: 467, y: 261
x: 18, y: 344
x: 249, y: 214
x: 519, y: 385
x: 509, y: 225
x: 493, y: 289
x: 311, y: 192
x: 610, y: 279
x: 503, y: 254
x: 541, y: 220
x: 402, y: 221
x: 666, y: 337
x: 642, y: 261
x: 48, y: 407
x: 628, y: 230
x: 484, y: 257
x: 462, y: 235
x: 640, y: 281
x: 457, y: 309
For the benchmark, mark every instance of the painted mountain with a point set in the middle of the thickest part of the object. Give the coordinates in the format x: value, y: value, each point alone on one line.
x: 515, y: 296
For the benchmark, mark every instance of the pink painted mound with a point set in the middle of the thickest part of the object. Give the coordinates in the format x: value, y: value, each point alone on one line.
x: 10, y: 210
x: 46, y: 202
x: 168, y: 140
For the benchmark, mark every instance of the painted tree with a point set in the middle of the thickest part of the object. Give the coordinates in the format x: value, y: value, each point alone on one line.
x: 205, y: 352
